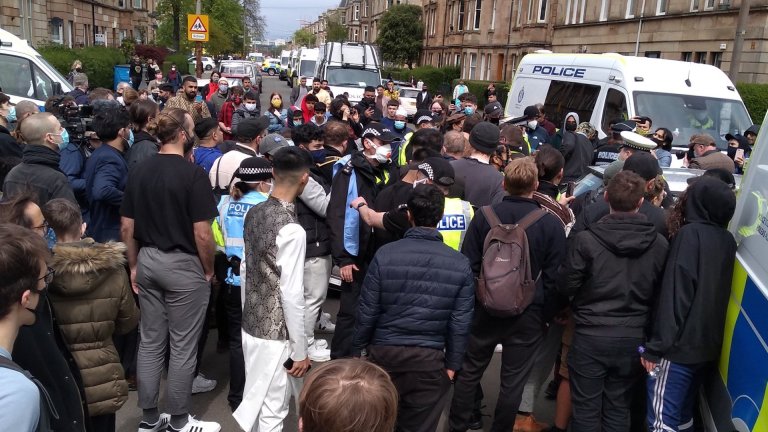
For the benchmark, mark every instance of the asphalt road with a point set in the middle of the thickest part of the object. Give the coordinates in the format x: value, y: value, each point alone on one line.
x: 213, y: 406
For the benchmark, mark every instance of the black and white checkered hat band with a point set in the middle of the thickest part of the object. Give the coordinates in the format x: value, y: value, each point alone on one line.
x: 424, y: 118
x: 428, y: 169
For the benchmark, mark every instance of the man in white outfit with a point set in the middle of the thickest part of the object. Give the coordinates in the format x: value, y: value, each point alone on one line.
x: 274, y: 338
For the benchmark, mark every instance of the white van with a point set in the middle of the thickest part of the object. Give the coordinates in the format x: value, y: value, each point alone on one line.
x: 684, y: 97
x: 25, y: 74
x: 736, y: 398
x: 306, y: 65
x: 349, y: 67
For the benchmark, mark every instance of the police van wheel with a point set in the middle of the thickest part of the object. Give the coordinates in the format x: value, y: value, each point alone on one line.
x: 271, y: 72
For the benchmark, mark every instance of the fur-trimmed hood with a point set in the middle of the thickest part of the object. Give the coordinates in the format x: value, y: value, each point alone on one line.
x: 82, y: 266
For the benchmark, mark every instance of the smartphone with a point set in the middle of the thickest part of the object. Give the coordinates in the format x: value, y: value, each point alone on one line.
x: 569, y: 190
x: 288, y: 365
x: 740, y: 153
x: 198, y: 99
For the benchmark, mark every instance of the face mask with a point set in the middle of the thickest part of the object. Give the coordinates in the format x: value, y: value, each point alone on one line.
x: 64, y: 139
x: 383, y: 153
x: 276, y: 103
x: 369, y: 100
x: 11, y: 117
x: 570, y: 127
x: 418, y: 182
x: 532, y: 124
x: 250, y: 106
x: 297, y: 122
x: 41, y: 298
x: 657, y: 141
x: 78, y: 69
x: 130, y: 138
x: 223, y: 88
x: 399, y: 124
x: 732, y: 152
x: 318, y: 155
x: 642, y: 132
x: 469, y: 110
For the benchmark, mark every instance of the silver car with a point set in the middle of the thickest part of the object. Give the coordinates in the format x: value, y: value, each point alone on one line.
x: 241, y: 67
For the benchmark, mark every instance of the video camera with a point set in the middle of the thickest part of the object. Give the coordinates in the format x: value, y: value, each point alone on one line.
x: 77, y: 120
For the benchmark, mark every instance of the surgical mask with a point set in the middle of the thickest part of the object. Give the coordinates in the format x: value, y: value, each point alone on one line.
x: 399, y: 124
x: 250, y: 106
x: 469, y: 110
x: 532, y: 124
x: 318, y: 155
x: 418, y: 182
x: 64, y: 139
x: 223, y: 88
x: 383, y: 153
x: 570, y: 127
x: 276, y: 103
x: 130, y: 138
x: 11, y: 117
x: 271, y: 188
x: 298, y: 122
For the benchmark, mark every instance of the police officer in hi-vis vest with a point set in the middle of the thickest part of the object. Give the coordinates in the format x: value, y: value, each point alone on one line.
x: 456, y: 215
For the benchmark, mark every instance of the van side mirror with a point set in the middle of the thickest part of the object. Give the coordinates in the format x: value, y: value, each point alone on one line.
x: 57, y: 88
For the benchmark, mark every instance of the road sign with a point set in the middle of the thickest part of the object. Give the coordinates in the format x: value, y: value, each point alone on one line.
x: 197, y: 28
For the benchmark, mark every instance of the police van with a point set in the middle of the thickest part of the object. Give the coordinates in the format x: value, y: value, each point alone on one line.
x: 25, y: 74
x: 736, y: 397
x: 349, y: 67
x: 684, y: 97
x: 306, y: 65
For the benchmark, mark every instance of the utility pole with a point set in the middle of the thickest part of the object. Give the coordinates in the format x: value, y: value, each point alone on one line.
x: 199, y: 47
x: 738, y: 40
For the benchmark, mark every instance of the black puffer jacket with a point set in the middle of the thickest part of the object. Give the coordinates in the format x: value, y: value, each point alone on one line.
x: 612, y: 270
x: 144, y: 146
x: 418, y: 292
x: 39, y: 172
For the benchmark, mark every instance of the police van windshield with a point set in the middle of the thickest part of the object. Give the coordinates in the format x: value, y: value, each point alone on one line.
x: 351, y: 77
x: 307, y: 67
x: 687, y: 115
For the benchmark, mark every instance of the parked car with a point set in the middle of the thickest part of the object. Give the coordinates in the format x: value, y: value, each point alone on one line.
x: 408, y: 100
x: 240, y: 68
x: 208, y: 62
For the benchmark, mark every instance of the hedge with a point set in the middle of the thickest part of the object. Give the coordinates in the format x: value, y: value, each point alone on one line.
x: 478, y: 88
x: 438, y: 79
x: 98, y: 62
x: 755, y: 97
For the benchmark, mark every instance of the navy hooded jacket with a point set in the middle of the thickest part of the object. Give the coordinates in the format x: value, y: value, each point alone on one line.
x: 106, y: 174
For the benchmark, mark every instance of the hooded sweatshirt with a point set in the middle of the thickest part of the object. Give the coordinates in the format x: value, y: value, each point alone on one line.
x: 577, y: 150
x: 689, y: 317
x: 612, y: 271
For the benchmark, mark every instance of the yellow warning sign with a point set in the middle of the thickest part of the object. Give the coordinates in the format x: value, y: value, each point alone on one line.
x: 197, y: 28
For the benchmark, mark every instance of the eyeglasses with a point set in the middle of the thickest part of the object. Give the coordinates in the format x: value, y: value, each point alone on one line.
x: 47, y: 278
x: 44, y: 227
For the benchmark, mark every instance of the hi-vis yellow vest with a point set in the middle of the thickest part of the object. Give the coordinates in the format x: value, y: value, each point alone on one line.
x: 456, y: 217
x: 402, y: 158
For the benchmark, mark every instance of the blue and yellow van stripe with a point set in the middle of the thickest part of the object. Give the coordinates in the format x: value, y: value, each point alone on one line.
x: 744, y: 359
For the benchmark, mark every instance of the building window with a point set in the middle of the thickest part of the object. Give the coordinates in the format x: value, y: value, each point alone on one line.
x: 472, y: 66
x: 543, y: 10
x: 701, y: 57
x: 519, y: 12
x: 661, y: 7
x: 460, y: 25
x: 478, y: 11
x: 530, y: 10
x: 687, y: 56
x: 630, y: 9
x: 695, y: 5
x: 365, y: 9
x: 493, y: 15
x: 365, y: 33
x: 717, y: 59
x: 57, y: 31
x: 137, y: 4
x: 457, y: 60
x: 709, y: 5
x: 488, y: 67
x: 573, y: 13
x: 653, y: 54
x: 482, y: 67
x: 356, y: 13
x: 604, y: 10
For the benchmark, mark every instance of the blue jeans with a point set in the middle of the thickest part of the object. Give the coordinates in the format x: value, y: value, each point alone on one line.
x: 671, y: 396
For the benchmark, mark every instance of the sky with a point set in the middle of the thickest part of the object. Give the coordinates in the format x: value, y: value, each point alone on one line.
x: 283, y: 16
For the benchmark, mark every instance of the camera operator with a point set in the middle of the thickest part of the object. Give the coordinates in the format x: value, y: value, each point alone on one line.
x: 72, y: 162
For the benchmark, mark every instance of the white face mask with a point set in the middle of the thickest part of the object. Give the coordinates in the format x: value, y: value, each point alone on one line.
x: 383, y: 152
x: 532, y: 124
x: 418, y: 182
x: 250, y: 106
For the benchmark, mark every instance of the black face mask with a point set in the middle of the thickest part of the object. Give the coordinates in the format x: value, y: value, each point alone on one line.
x: 570, y: 127
x: 658, y: 141
x: 732, y: 152
x: 43, y: 295
x: 369, y: 100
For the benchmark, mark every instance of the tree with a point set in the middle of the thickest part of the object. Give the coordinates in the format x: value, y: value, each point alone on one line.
x: 401, y: 34
x: 304, y: 37
x: 335, y: 31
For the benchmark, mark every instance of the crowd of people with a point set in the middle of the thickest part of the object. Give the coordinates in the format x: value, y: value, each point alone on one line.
x: 448, y: 242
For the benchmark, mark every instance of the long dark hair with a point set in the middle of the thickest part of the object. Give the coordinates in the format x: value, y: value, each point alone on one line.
x: 676, y: 217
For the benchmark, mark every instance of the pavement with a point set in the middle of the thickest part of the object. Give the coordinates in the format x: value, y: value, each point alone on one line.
x: 213, y: 406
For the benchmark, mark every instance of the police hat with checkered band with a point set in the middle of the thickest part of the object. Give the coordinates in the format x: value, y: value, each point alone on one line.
x: 423, y: 116
x: 378, y: 130
x: 254, y: 169
x: 438, y: 170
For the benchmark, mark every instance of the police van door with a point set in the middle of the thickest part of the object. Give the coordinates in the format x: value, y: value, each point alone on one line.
x: 614, y: 107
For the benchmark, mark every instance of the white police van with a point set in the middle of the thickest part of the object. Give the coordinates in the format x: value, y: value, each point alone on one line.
x: 25, y: 74
x: 349, y: 67
x: 306, y: 65
x: 684, y: 97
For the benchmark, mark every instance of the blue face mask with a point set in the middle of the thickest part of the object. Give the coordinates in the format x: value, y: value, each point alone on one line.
x: 11, y: 117
x: 399, y: 124
x: 130, y: 138
x: 64, y: 139
x: 469, y: 110
x: 318, y: 155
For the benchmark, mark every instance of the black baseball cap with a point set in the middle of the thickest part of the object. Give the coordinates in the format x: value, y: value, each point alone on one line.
x: 252, y: 127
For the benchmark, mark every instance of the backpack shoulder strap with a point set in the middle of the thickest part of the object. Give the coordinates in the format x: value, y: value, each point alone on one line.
x: 490, y: 216
x: 531, y: 218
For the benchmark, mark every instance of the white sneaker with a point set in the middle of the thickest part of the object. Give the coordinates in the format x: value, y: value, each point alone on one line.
x: 324, y: 324
x: 161, y: 423
x: 194, y: 425
x: 320, y: 343
x: 317, y: 354
x: 498, y: 348
x: 202, y: 384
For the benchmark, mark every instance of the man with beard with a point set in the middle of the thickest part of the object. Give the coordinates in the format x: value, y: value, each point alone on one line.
x: 187, y: 100
x: 319, y: 92
x: 367, y: 107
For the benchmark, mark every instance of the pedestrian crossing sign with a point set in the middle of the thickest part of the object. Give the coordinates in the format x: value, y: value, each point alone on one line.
x: 197, y: 28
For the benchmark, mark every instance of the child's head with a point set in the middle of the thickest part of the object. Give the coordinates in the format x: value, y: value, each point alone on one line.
x: 64, y: 218
x: 349, y: 395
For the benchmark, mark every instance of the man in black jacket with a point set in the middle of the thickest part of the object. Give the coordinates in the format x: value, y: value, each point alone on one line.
x: 361, y: 174
x: 611, y: 271
x: 519, y: 335
x: 420, y: 343
x: 689, y: 316
x: 39, y: 168
x: 367, y: 107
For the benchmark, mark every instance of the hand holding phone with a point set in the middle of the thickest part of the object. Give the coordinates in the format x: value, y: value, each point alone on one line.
x: 198, y: 99
x: 739, y: 153
x: 569, y: 190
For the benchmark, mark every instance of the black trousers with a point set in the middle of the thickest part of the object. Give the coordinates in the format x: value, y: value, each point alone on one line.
x: 233, y: 305
x: 103, y: 423
x: 204, y: 334
x: 127, y: 346
x: 521, y: 337
x: 421, y: 399
x: 603, y: 373
x: 341, y: 344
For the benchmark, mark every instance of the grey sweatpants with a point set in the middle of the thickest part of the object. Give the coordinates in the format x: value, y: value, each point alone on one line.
x: 173, y: 296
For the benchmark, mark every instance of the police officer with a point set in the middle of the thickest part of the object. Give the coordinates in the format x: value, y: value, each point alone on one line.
x: 423, y: 120
x: 456, y: 215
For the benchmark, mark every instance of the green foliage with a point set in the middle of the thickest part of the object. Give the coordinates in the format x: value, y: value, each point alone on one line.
x: 478, y: 88
x: 225, y: 21
x: 180, y: 60
x: 304, y: 37
x: 755, y: 97
x: 438, y: 79
x: 401, y: 34
x: 335, y: 31
x: 127, y: 47
x: 98, y: 62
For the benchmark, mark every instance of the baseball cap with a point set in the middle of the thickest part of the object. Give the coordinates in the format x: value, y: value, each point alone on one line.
x: 423, y: 116
x: 252, y: 127
x: 438, y: 170
x: 271, y: 143
x: 531, y: 111
x: 378, y: 130
x: 254, y: 169
x: 738, y: 137
x: 494, y: 110
x: 643, y: 164
x: 637, y: 141
x: 702, y: 139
